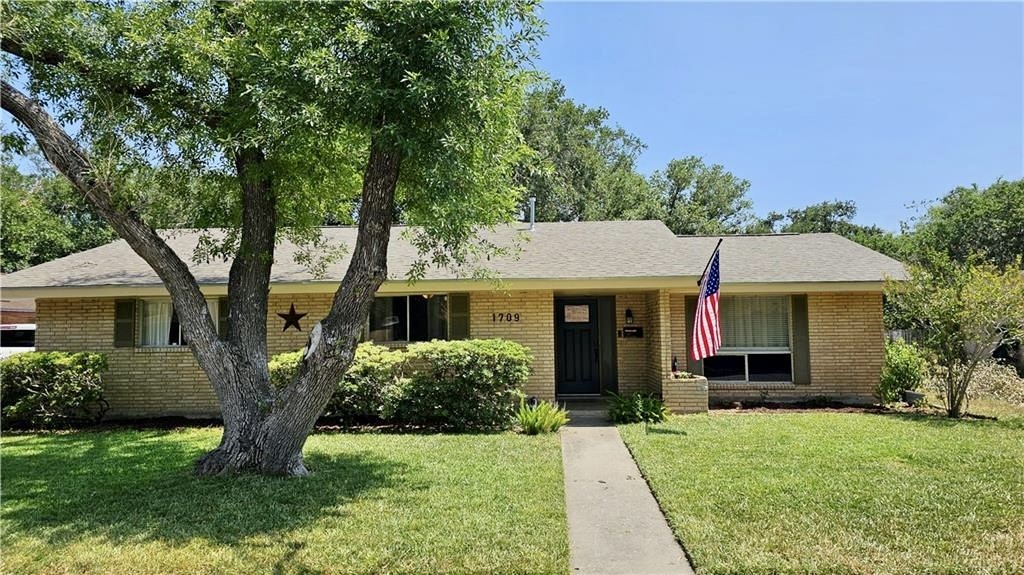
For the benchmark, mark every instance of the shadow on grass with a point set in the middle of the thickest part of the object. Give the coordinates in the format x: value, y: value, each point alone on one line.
x: 940, y: 419
x: 139, y: 486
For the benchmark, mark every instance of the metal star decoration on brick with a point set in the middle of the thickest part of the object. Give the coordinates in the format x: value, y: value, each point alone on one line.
x: 292, y: 318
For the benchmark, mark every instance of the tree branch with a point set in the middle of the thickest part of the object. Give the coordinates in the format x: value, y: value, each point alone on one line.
x: 73, y: 162
x: 14, y: 46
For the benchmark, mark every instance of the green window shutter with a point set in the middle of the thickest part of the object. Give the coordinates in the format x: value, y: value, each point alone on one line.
x: 124, y: 323
x: 801, y: 341
x: 458, y: 316
x: 222, y: 317
x: 694, y: 367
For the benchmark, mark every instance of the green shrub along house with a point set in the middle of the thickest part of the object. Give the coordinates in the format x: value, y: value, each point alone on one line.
x: 600, y: 306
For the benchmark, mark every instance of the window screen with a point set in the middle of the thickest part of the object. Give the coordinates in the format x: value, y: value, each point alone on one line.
x: 755, y: 322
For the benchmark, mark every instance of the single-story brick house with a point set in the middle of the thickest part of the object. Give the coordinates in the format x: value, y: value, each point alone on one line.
x: 603, y: 306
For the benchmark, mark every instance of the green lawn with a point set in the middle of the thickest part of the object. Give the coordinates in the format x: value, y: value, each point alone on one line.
x: 839, y: 492
x: 125, y: 502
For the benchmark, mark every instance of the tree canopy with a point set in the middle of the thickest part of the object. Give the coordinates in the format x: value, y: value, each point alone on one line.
x: 988, y: 222
x: 43, y: 219
x: 700, y: 199
x: 270, y: 117
x: 581, y: 166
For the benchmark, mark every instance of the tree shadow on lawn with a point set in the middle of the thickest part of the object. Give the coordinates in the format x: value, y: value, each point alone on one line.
x: 942, y: 420
x: 141, y: 488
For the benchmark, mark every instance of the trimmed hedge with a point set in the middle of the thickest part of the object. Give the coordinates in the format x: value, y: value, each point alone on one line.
x: 468, y: 384
x: 47, y: 390
x: 365, y: 394
x: 459, y: 385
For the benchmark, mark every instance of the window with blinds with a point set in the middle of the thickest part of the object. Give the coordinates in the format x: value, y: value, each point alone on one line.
x: 758, y: 323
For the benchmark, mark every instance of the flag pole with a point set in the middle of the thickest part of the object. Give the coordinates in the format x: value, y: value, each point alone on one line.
x: 707, y: 265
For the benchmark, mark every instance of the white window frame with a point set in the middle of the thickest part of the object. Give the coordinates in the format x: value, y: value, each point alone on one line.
x: 212, y: 304
x: 408, y: 319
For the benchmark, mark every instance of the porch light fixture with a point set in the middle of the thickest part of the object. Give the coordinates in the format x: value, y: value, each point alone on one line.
x: 629, y: 316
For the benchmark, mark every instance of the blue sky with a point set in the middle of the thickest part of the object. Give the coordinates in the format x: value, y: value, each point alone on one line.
x: 882, y: 103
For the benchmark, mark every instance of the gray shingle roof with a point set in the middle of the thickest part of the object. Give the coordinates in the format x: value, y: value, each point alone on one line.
x: 789, y: 258
x: 568, y: 250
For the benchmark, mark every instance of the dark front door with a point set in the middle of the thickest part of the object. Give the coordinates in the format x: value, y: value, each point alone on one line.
x: 577, y: 348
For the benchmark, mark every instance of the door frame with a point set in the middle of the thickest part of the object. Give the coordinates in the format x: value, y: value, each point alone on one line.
x: 605, y: 325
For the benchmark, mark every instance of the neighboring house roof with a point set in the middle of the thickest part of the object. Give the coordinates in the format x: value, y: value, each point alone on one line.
x: 616, y: 250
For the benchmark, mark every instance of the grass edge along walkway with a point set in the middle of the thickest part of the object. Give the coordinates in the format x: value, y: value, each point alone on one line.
x: 821, y: 492
x: 126, y: 502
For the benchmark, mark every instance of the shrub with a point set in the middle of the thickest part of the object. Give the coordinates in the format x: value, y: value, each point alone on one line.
x: 366, y: 393
x: 637, y: 408
x: 362, y: 393
x: 904, y: 369
x: 470, y: 384
x: 48, y: 390
x: 283, y: 367
x: 541, y: 417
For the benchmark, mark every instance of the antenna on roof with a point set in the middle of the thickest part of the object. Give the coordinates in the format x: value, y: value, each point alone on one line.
x: 533, y: 212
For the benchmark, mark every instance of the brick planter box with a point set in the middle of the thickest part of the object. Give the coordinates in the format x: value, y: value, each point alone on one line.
x: 688, y: 395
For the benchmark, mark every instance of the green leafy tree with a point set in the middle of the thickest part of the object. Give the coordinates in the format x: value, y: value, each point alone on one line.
x: 988, y: 222
x: 43, y: 219
x: 581, y: 168
x: 835, y: 217
x: 963, y: 313
x: 701, y: 199
x: 272, y: 116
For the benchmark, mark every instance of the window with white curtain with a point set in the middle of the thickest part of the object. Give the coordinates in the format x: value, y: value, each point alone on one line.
x: 755, y: 322
x: 159, y: 323
x: 755, y: 340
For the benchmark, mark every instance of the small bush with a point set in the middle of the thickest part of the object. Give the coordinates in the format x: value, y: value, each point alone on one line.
x: 637, y: 408
x: 363, y: 392
x: 470, y: 384
x: 541, y: 417
x: 48, y: 390
x: 367, y: 392
x: 283, y: 367
x: 905, y: 368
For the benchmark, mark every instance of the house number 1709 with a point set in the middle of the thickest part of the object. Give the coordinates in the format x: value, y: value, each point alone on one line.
x: 506, y: 317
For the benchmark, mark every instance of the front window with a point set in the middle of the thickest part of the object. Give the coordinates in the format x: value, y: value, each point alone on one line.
x: 755, y: 340
x: 160, y: 325
x: 408, y: 318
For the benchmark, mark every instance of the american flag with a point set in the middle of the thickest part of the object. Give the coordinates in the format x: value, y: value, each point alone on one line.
x: 707, y: 337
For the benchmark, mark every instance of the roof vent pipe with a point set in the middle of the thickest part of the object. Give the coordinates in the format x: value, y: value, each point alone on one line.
x: 533, y: 212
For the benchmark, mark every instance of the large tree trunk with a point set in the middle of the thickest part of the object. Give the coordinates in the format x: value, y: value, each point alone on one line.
x: 267, y: 437
x: 264, y: 429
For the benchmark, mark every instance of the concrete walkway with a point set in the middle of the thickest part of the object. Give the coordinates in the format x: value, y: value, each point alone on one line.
x: 615, y: 525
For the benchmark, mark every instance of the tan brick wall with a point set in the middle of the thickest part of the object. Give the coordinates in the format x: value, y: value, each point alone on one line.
x: 139, y: 382
x: 316, y: 305
x: 685, y: 395
x: 847, y: 343
x: 154, y: 382
x: 659, y: 340
x: 535, y: 330
x: 631, y: 352
x: 847, y: 350
x: 677, y: 319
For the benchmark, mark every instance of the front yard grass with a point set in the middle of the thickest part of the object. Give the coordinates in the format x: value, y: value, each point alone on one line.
x: 824, y: 492
x: 126, y: 502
